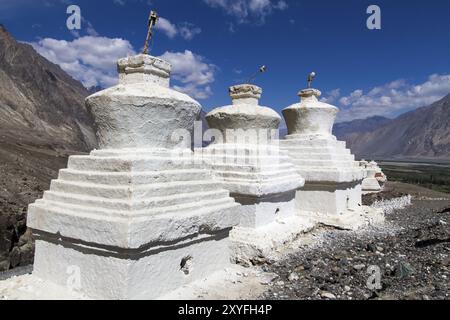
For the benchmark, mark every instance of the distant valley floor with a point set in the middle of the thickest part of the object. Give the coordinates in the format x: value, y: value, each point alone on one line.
x: 432, y: 175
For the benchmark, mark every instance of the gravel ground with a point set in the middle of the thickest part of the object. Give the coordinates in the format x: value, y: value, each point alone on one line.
x: 411, y: 252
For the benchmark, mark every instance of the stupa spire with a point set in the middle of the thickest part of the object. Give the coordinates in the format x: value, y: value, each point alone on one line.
x: 311, y: 77
x: 152, y: 20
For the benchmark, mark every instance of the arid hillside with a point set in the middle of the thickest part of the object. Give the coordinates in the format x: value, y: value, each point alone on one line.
x: 42, y: 120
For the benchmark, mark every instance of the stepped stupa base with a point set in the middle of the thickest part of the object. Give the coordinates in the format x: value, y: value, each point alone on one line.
x: 371, y: 185
x: 263, y: 181
x: 131, y: 224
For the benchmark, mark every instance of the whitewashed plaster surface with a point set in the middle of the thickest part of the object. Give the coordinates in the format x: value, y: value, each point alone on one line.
x: 137, y: 218
x: 333, y: 177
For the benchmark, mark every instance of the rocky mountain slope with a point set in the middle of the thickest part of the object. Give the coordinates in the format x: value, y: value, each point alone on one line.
x: 343, y: 129
x: 421, y: 134
x: 40, y: 104
x: 42, y: 120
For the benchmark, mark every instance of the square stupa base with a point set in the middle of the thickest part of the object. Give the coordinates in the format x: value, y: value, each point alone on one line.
x: 330, y: 199
x: 144, y: 273
x: 266, y: 224
x: 253, y: 246
x: 256, y: 212
x: 371, y: 185
x: 337, y: 205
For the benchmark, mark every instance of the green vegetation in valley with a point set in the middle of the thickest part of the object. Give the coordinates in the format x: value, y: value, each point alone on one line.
x: 434, y: 177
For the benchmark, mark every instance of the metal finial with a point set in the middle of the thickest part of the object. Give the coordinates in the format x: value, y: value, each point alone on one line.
x: 262, y: 69
x: 311, y: 77
x: 151, y: 24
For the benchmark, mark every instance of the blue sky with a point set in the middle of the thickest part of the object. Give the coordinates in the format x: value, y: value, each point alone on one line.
x: 217, y: 43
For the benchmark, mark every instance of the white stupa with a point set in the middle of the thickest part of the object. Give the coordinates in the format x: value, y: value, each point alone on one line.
x: 379, y: 175
x: 375, y: 178
x: 133, y: 219
x: 332, y: 193
x: 247, y: 159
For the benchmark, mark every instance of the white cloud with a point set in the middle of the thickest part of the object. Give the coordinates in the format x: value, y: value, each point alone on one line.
x: 188, y: 30
x: 281, y: 5
x: 91, y: 60
x: 87, y: 27
x: 231, y: 27
x: 331, y: 96
x: 246, y: 10
x: 392, y: 98
x: 185, y: 29
x: 192, y: 72
x: 167, y: 27
x: 90, y: 29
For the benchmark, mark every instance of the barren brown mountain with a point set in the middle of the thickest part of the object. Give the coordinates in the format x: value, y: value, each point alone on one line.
x: 422, y: 134
x: 42, y: 120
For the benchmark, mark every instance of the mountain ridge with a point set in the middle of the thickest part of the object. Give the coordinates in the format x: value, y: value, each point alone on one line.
x: 423, y: 133
x: 359, y: 125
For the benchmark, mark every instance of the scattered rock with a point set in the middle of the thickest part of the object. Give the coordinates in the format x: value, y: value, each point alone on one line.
x: 327, y: 265
x: 27, y: 254
x: 4, y: 264
x: 359, y: 267
x: 403, y: 270
x: 327, y: 295
x: 267, y: 278
x: 371, y: 247
x: 430, y: 242
x: 293, y: 277
x: 300, y: 269
x: 14, y: 257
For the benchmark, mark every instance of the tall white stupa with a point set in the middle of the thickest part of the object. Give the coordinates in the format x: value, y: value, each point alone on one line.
x: 247, y: 159
x: 332, y: 193
x: 133, y: 220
